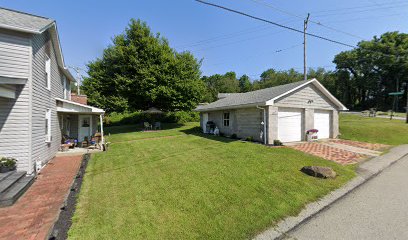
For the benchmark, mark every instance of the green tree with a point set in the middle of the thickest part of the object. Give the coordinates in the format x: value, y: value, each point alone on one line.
x: 375, y: 68
x: 140, y: 70
x: 227, y: 83
x: 244, y: 83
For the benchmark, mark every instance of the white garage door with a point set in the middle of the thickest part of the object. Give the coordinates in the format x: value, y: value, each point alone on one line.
x: 290, y: 124
x: 322, y: 123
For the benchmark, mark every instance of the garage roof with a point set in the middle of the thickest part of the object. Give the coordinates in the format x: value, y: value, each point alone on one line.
x: 264, y: 97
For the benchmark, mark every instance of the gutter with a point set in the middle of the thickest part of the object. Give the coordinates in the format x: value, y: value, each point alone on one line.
x: 264, y: 123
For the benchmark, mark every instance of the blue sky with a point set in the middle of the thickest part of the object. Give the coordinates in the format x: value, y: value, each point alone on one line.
x: 225, y: 41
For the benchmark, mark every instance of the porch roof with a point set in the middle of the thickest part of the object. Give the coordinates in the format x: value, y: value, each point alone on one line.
x: 67, y: 106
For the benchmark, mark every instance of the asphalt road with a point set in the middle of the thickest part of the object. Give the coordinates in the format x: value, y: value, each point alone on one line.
x: 376, y: 210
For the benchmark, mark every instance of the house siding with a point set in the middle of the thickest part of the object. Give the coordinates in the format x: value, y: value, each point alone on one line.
x: 14, y: 127
x: 307, y: 97
x: 244, y: 122
x: 43, y: 99
x: 14, y: 55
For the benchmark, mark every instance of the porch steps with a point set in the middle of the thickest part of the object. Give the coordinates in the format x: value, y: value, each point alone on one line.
x: 12, y: 186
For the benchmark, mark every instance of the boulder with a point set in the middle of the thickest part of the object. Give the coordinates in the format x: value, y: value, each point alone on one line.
x: 320, y: 172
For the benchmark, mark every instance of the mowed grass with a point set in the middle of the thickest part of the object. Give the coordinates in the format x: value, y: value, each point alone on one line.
x: 374, y: 130
x: 191, y: 186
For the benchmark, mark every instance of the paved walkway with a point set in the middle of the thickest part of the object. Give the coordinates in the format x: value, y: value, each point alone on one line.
x: 375, y: 210
x: 32, y: 216
x: 341, y: 151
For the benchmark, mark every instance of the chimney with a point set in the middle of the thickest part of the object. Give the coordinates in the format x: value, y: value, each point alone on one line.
x: 82, y: 99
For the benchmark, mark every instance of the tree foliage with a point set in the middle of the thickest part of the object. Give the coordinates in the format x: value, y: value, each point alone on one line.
x: 375, y: 68
x: 140, y: 70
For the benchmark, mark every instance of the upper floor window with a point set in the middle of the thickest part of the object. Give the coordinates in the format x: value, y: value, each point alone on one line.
x: 67, y: 88
x: 48, y: 125
x: 48, y: 73
x: 226, y: 119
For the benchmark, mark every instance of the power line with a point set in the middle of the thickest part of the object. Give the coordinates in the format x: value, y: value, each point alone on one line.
x: 310, y: 20
x: 274, y: 23
x: 359, y: 7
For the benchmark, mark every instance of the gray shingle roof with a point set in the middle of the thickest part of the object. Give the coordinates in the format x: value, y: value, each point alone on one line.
x: 254, y: 97
x: 14, y: 19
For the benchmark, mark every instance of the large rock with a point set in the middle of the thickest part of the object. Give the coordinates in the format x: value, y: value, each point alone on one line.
x: 320, y: 172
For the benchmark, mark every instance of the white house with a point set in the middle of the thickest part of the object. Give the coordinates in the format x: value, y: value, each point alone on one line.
x: 35, y: 98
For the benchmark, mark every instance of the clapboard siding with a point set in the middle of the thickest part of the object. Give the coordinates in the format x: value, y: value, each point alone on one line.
x: 306, y: 97
x: 43, y: 99
x: 14, y: 56
x: 14, y: 127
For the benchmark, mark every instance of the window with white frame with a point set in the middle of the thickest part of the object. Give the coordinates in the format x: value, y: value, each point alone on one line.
x: 48, y: 125
x: 48, y: 73
x: 65, y: 83
x: 226, y: 119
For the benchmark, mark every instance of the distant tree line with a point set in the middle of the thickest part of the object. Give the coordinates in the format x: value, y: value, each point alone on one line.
x: 140, y: 70
x: 363, y: 77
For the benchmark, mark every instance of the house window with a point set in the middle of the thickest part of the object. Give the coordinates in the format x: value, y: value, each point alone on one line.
x: 226, y: 119
x: 48, y: 73
x: 48, y: 125
x: 65, y: 84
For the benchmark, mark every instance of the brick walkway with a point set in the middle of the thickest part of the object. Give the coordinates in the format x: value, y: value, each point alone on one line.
x: 371, y: 146
x: 32, y: 216
x: 330, y: 153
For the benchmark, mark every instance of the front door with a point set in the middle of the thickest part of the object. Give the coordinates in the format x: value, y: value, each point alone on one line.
x: 84, y: 127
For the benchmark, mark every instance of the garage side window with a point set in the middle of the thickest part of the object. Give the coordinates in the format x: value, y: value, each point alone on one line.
x: 48, y: 125
x: 226, y: 119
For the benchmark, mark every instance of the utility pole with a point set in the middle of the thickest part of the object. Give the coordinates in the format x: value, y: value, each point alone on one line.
x: 304, y: 46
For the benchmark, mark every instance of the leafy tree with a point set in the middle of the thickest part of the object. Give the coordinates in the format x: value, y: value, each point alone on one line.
x: 140, y: 70
x: 374, y: 69
x: 218, y: 83
x: 272, y: 78
x: 244, y: 83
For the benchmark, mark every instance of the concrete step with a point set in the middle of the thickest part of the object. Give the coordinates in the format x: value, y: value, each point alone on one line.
x: 5, y: 175
x: 10, y: 196
x: 8, y: 181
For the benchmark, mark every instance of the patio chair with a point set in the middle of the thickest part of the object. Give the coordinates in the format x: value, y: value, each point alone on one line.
x: 147, y: 126
x: 157, y: 126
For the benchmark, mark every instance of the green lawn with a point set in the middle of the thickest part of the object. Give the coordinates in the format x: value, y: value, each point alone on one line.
x: 192, y: 186
x: 375, y: 130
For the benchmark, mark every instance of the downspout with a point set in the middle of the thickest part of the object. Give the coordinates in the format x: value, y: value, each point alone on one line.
x: 102, y: 137
x: 264, y: 123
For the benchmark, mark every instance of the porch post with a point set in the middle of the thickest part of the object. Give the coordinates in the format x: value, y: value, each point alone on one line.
x: 101, y: 120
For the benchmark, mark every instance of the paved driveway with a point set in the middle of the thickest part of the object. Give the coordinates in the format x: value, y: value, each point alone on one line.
x: 32, y: 216
x: 341, y: 151
x: 376, y: 210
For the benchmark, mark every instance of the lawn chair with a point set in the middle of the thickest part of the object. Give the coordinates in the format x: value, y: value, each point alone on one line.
x: 373, y: 112
x: 147, y: 126
x: 157, y: 126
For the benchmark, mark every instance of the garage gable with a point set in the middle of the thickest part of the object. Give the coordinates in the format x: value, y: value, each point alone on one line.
x: 308, y: 96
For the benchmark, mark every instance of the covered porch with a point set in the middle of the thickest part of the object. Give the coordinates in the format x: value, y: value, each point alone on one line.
x: 81, y: 125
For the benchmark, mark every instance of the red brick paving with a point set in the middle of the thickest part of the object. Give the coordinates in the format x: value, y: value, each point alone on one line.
x: 33, y: 215
x: 371, y: 146
x: 330, y: 153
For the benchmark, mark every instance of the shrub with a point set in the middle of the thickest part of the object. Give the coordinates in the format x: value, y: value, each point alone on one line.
x: 277, y: 143
x: 126, y: 118
x: 7, y: 162
x: 249, y: 139
x: 234, y: 136
x: 222, y: 134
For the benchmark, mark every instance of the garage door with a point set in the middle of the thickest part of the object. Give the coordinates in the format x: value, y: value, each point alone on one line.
x: 290, y: 124
x: 322, y: 123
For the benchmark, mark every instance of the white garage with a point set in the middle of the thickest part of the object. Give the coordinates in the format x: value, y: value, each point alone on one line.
x: 290, y: 127
x: 322, y: 123
x: 283, y: 113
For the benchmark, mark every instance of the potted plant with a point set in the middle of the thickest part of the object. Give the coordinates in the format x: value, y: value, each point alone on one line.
x: 7, y: 164
x: 312, y: 135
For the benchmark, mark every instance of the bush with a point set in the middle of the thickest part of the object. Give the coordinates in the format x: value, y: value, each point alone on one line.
x: 126, y: 118
x: 7, y: 162
x: 277, y: 143
x: 249, y: 139
x: 234, y: 136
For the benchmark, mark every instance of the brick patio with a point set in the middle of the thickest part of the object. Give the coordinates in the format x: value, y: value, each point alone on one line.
x: 32, y: 216
x: 330, y: 153
x: 371, y: 146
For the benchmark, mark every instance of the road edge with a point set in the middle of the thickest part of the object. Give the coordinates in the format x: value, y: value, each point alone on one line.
x: 365, y: 171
